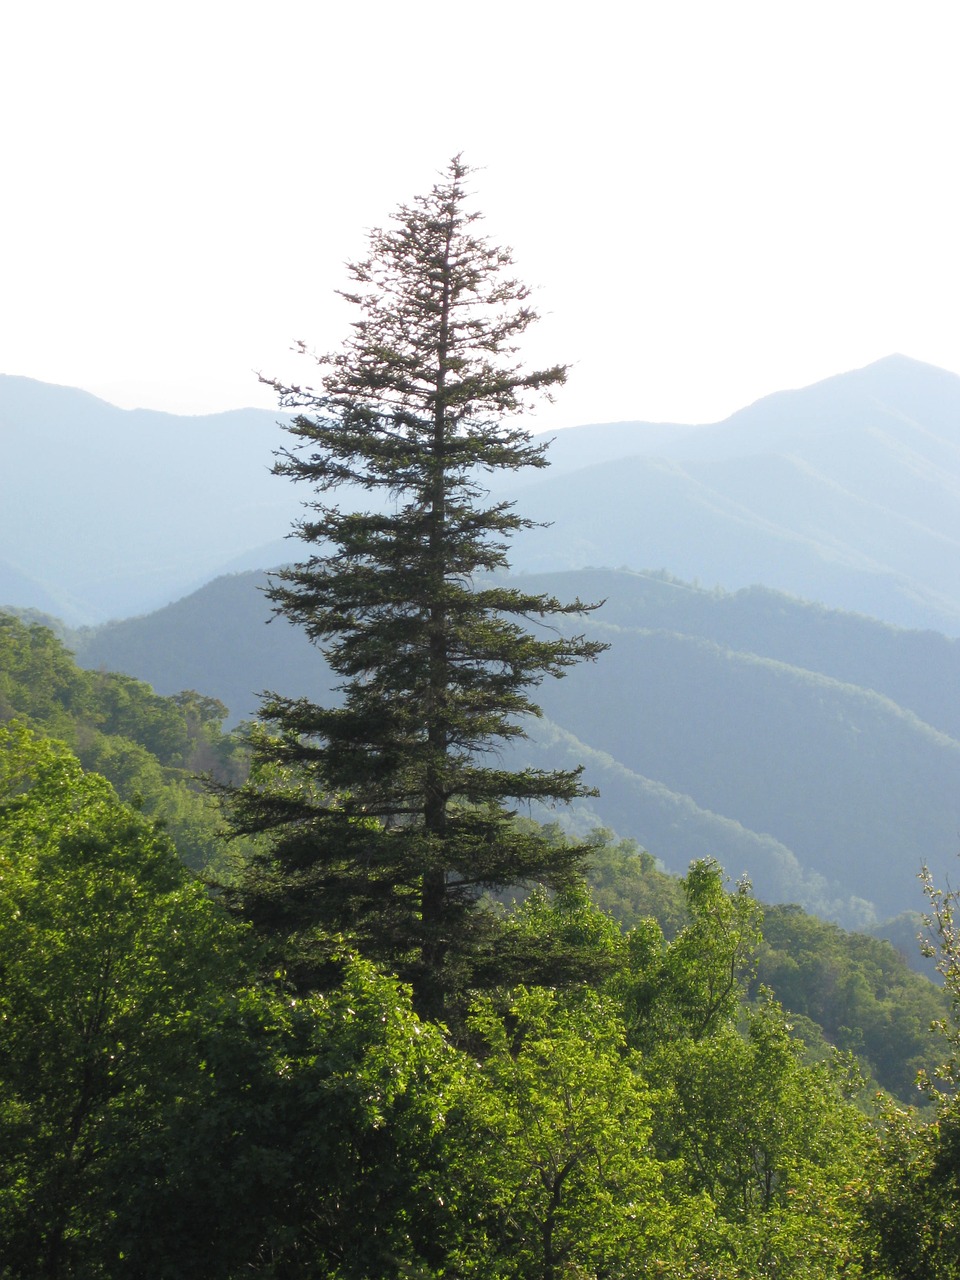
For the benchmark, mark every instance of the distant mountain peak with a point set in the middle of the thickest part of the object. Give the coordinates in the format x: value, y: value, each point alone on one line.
x: 897, y: 359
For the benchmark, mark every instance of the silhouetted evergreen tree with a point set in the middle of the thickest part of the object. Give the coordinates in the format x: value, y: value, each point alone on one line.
x: 391, y: 812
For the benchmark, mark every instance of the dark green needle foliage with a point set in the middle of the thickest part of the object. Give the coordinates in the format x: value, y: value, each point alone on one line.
x: 391, y: 812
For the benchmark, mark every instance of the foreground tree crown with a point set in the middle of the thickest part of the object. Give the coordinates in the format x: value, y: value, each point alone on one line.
x: 390, y: 813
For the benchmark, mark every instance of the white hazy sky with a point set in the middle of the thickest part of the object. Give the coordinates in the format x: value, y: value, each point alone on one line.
x: 716, y: 198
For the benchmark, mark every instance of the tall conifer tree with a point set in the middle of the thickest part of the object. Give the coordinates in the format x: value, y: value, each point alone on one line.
x: 390, y: 813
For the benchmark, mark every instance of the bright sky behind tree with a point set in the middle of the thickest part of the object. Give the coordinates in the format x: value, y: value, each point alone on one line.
x: 716, y: 198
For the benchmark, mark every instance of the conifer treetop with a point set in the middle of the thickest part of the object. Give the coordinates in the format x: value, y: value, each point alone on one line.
x: 405, y: 812
x: 435, y: 345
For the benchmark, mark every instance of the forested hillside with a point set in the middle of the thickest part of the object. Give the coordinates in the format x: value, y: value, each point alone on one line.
x: 811, y: 749
x: 152, y: 749
x: 855, y: 991
x: 169, y: 1108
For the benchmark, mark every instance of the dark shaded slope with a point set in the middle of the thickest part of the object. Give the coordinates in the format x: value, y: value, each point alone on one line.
x: 784, y: 739
x: 860, y: 790
x: 679, y: 830
x: 222, y: 639
x: 920, y: 670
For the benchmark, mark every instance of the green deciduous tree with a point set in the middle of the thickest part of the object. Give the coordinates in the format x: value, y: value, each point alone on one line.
x: 915, y: 1206
x: 779, y: 1146
x: 775, y: 1145
x: 149, y: 747
x: 158, y: 1116
x: 312, y: 1148
x: 390, y: 813
x: 692, y: 985
x: 556, y: 1172
x: 943, y: 946
x: 108, y: 953
x: 858, y: 989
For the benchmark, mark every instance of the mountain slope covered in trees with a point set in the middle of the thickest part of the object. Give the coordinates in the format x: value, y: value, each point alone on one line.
x: 853, y: 991
x: 151, y: 1072
x: 152, y: 749
x: 815, y: 751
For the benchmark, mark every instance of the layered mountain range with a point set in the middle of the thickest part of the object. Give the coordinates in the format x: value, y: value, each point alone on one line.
x: 846, y: 493
x: 807, y: 745
x: 815, y: 751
